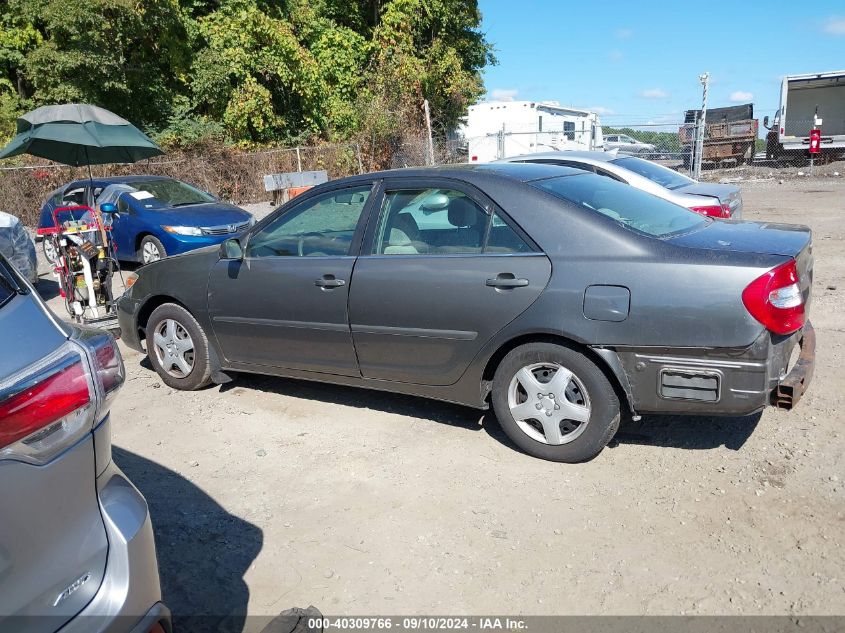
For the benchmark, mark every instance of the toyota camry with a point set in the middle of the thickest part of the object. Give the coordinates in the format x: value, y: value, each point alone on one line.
x: 561, y: 298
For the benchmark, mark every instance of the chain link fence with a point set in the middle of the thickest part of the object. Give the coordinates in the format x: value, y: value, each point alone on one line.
x: 731, y: 151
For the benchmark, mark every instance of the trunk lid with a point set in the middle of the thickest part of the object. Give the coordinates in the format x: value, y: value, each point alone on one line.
x: 727, y: 194
x: 748, y: 237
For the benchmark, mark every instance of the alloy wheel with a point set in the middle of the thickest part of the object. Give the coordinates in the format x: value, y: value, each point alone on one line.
x: 150, y: 253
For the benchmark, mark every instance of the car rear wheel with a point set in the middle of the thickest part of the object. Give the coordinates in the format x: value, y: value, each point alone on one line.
x: 178, y: 348
x: 555, y: 403
x: 151, y: 249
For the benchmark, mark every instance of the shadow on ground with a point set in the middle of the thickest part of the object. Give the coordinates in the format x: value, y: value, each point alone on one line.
x: 689, y: 432
x: 671, y: 431
x: 203, y: 550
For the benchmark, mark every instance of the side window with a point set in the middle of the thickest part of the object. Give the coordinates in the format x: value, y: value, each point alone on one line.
x: 57, y: 199
x: 320, y: 227
x: 429, y: 221
x: 441, y: 222
x: 503, y: 239
x: 122, y: 205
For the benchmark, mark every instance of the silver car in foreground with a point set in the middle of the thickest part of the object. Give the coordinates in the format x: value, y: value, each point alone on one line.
x: 76, y: 542
x: 712, y: 199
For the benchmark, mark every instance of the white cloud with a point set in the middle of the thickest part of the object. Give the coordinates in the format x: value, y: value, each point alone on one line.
x: 740, y: 96
x: 654, y: 93
x: 503, y: 94
x: 615, y: 56
x: 602, y: 110
x: 834, y: 26
x: 624, y: 34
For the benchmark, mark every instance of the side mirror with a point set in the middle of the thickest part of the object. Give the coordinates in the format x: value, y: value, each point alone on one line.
x: 108, y: 207
x: 231, y: 249
x: 766, y: 122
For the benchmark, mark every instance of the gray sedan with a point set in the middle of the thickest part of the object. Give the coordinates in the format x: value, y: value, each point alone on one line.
x: 713, y: 199
x: 561, y: 298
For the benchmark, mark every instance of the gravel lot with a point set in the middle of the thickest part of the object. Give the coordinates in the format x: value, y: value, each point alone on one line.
x: 270, y: 493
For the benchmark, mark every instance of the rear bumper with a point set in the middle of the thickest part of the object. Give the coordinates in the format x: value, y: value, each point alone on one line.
x: 129, y: 598
x: 720, y: 381
x: 790, y: 390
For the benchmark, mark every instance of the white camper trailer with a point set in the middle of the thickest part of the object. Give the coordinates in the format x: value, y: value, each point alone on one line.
x: 501, y: 129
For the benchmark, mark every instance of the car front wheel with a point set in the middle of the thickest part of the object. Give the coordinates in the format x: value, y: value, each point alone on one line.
x: 555, y: 403
x: 178, y: 348
x: 151, y: 249
x: 49, y: 249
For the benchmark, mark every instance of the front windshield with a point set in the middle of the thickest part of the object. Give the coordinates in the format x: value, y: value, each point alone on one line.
x: 663, y: 176
x: 626, y: 205
x: 169, y: 192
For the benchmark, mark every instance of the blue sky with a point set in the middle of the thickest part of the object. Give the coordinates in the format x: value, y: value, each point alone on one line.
x: 638, y: 62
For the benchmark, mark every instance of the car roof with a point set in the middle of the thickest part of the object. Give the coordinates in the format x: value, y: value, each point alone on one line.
x: 110, y: 180
x: 520, y: 172
x: 587, y: 157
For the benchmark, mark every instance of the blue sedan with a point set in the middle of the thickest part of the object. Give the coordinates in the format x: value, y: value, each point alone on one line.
x: 156, y: 216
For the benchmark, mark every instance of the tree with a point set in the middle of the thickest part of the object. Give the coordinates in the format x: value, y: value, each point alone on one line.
x: 125, y: 55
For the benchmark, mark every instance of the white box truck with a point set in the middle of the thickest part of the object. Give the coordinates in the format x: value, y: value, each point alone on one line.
x: 502, y: 129
x: 807, y: 101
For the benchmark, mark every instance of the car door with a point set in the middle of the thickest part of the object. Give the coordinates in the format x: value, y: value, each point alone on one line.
x: 425, y: 300
x: 125, y: 228
x: 285, y: 304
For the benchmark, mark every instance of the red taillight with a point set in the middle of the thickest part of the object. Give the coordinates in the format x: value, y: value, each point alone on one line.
x: 712, y: 210
x: 474, y: 159
x: 775, y: 299
x: 726, y: 210
x: 43, y: 400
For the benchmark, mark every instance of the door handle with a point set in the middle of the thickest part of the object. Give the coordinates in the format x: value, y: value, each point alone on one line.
x: 507, y: 280
x: 328, y: 281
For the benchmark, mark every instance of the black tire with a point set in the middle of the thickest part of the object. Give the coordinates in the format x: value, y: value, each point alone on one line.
x: 200, y: 373
x: 604, y: 413
x: 154, y: 242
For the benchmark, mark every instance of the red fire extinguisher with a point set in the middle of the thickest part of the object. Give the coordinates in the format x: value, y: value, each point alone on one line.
x: 815, y: 140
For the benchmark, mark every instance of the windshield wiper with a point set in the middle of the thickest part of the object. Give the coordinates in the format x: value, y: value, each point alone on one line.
x: 185, y: 204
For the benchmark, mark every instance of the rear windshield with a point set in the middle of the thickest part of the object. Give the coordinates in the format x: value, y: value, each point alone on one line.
x: 173, y: 193
x: 630, y: 207
x: 663, y: 176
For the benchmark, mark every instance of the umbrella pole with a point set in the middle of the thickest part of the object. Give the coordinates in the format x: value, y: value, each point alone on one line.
x: 97, y: 215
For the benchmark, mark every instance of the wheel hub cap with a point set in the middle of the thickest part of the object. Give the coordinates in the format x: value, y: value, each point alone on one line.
x: 174, y: 348
x: 549, y: 403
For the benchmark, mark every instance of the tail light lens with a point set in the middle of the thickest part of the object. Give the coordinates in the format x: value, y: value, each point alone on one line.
x: 50, y: 405
x: 775, y: 299
x: 713, y: 210
x: 46, y: 407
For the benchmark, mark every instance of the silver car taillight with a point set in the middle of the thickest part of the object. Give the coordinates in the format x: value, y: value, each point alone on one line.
x: 51, y: 404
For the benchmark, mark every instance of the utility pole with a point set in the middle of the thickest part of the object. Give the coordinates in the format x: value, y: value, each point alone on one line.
x: 430, y: 157
x: 702, y: 122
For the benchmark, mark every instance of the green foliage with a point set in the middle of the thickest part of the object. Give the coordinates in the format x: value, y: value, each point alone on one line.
x: 252, y: 71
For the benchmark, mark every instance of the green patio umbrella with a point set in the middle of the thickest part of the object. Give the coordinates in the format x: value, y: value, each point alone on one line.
x: 78, y: 134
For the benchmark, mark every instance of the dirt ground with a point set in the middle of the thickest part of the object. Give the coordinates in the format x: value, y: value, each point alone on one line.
x: 270, y: 493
